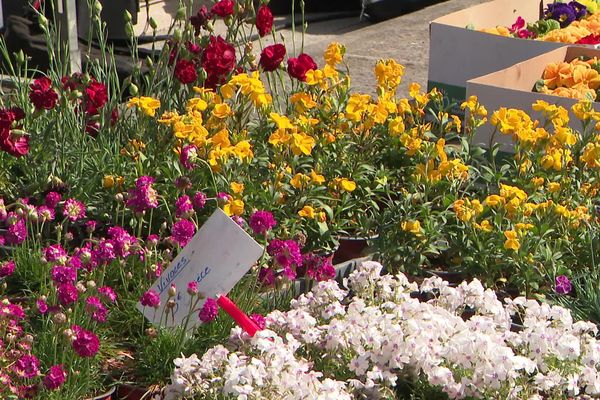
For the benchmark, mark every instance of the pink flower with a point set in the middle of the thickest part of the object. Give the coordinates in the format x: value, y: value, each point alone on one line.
x: 46, y: 214
x: 261, y: 222
x: 122, y: 241
x: 98, y: 311
x: 55, y: 254
x: 17, y: 232
x: 67, y: 293
x: 27, y: 366
x: 299, y: 66
x: 264, y: 20
x: 266, y: 276
x: 107, y: 293
x: 185, y: 71
x: 86, y: 343
x: 563, y: 285
x: 143, y: 197
x: 7, y: 268
x: 199, y: 200
x: 55, y: 377
x: 63, y: 274
x: 52, y: 199
x: 184, y: 207
x: 285, y: 252
x: 259, y: 320
x: 182, y: 232
x: 188, y: 156
x: 150, y: 299
x: 209, y: 310
x: 42, y: 306
x: 192, y: 288
x: 73, y: 210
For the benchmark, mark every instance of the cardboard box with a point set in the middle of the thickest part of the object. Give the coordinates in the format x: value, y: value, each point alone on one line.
x: 457, y: 54
x: 513, y: 88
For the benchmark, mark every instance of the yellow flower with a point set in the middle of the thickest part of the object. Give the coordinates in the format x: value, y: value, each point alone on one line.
x: 148, y: 105
x: 389, y: 74
x: 537, y: 181
x: 221, y: 110
x: 307, y: 212
x: 334, y: 54
x: 493, y: 200
x: 396, y: 126
x: 169, y: 118
x: 237, y: 187
x: 316, y: 178
x: 243, y: 150
x: 347, y: 185
x: 413, y: 227
x: 553, y: 187
x: 234, y: 207
x: 299, y: 181
x: 302, y: 101
x: 591, y: 155
x: 484, y: 226
x: 221, y: 139
x: 511, y: 243
x: 523, y: 227
x: 302, y: 143
x: 279, y: 137
x: 282, y: 121
x: 196, y: 104
x: 316, y: 77
x: 466, y: 209
x: 108, y: 182
x: 357, y: 105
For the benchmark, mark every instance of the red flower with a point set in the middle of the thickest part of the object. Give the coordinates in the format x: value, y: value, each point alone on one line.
x: 298, y: 67
x: 199, y: 20
x: 271, y: 57
x: 13, y: 143
x: 589, y: 39
x: 223, y: 8
x: 185, y: 71
x: 96, y: 97
x: 42, y: 95
x: 86, y: 343
x: 264, y: 20
x: 218, y: 60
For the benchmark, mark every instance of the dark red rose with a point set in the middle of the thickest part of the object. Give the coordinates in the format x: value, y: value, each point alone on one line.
x: 185, y: 71
x: 589, y: 39
x: 96, y: 97
x: 298, y: 67
x: 223, y: 8
x: 218, y: 59
x: 42, y: 95
x: 264, y: 20
x: 271, y: 57
x: 199, y: 20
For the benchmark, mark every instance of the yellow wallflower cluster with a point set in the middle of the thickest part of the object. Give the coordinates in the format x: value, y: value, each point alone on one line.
x: 389, y: 75
x: 250, y: 86
x: 412, y: 226
x: 148, y: 105
x: 288, y: 134
x: 431, y: 172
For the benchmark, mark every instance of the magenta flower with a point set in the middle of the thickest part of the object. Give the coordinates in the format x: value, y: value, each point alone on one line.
x: 317, y: 267
x: 55, y: 377
x: 67, y: 293
x: 259, y: 320
x: 45, y: 214
x: 62, y: 274
x: 27, y: 366
x: 209, y: 310
x: 286, y: 253
x: 98, y: 311
x: 73, y: 210
x: 107, y: 293
x: 17, y: 232
x: 86, y: 343
x: 262, y: 222
x: 7, y: 268
x: 182, y: 232
x: 122, y: 241
x: 192, y: 288
x: 55, y: 254
x: 266, y: 276
x: 150, y: 299
x: 90, y: 226
x: 199, y: 200
x: 563, y: 285
x: 188, y: 156
x: 42, y: 306
x: 143, y: 197
x: 184, y: 207
x: 104, y: 252
x: 52, y: 199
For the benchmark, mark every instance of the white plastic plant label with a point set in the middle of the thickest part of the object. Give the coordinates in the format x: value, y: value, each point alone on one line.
x: 217, y: 257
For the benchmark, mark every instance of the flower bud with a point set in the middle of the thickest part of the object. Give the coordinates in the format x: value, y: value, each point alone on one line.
x: 80, y: 287
x: 151, y: 332
x: 90, y: 284
x: 43, y: 21
x: 172, y: 292
x: 119, y: 197
x: 153, y: 23
x: 20, y: 57
x: 129, y: 30
x: 177, y: 35
x: 59, y: 318
x: 181, y: 14
x: 129, y: 275
x: 133, y: 89
x: 127, y: 16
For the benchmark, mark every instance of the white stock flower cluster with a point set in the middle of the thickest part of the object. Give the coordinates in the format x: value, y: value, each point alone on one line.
x: 385, y: 328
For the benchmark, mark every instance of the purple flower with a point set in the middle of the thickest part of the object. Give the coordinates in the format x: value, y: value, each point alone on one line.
x: 52, y: 199
x: 55, y: 377
x: 86, y: 343
x: 73, y: 210
x: 184, y: 207
x: 67, y: 293
x: 199, y: 200
x: 7, y: 268
x: 107, y: 293
x: 55, y: 253
x: 188, y: 156
x: 317, y: 267
x: 28, y: 366
x: 122, y: 241
x: 209, y: 310
x: 262, y: 222
x: 563, y: 285
x: 182, y: 232
x: 98, y: 311
x: 285, y: 252
x: 239, y: 220
x: 62, y: 274
x: 565, y: 14
x: 150, y: 299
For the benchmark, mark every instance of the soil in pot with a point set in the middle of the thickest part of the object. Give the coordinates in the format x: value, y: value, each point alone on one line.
x: 352, y: 247
x: 132, y: 392
x: 108, y: 395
